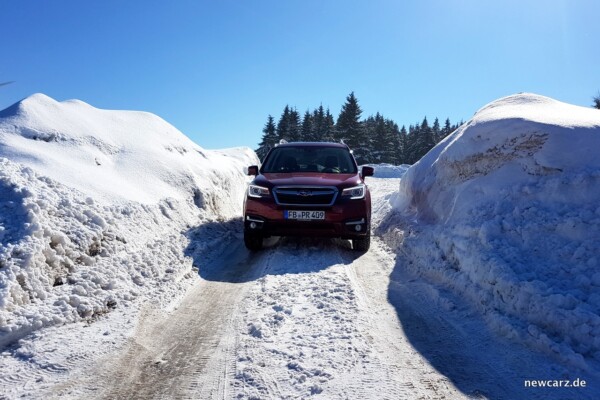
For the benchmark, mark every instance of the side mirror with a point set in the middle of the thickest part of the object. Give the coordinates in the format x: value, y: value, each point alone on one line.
x: 367, y: 171
x: 252, y: 170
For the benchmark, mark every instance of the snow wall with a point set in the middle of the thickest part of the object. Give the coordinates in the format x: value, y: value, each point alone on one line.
x: 95, y: 207
x: 506, y: 213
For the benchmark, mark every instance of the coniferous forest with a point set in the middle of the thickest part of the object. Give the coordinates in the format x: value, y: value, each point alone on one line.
x: 375, y: 139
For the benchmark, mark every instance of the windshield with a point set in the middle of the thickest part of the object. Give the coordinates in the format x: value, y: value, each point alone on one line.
x: 329, y: 160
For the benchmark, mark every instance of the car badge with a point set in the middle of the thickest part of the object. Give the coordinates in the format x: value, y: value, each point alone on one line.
x: 304, y: 193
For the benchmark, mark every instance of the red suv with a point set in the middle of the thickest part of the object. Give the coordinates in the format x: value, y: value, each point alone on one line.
x: 308, y: 189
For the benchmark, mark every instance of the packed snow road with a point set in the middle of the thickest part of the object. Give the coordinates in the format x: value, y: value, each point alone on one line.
x: 169, y: 355
x: 303, y: 318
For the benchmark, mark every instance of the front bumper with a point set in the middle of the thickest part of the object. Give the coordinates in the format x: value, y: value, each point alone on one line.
x: 341, y: 220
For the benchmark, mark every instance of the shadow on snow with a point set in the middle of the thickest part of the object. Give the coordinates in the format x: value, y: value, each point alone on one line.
x: 217, y: 250
x: 456, y: 341
x: 13, y: 215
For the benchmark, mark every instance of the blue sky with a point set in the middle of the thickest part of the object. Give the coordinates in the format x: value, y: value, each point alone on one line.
x: 216, y: 69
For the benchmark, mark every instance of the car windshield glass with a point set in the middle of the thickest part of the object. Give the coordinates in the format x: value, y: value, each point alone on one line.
x: 329, y: 160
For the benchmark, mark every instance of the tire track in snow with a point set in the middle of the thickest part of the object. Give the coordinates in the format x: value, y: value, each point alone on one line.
x: 319, y: 324
x: 284, y: 352
x: 396, y: 369
x: 186, y: 354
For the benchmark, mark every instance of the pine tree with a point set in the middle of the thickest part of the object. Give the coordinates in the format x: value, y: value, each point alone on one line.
x: 288, y: 127
x: 403, y: 151
x: 323, y: 125
x: 413, y: 148
x: 425, y: 140
x: 436, y: 131
x: 597, y: 101
x: 392, y: 142
x: 318, y: 124
x: 329, y: 128
x: 294, y: 126
x: 349, y: 127
x: 372, y: 151
x: 283, y: 125
x: 269, y: 138
x: 379, y: 143
x: 306, y: 132
x: 446, y: 130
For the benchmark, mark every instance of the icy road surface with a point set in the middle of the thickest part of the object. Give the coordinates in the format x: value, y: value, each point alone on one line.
x: 303, y: 318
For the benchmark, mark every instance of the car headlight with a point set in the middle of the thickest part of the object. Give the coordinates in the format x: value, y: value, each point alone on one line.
x: 356, y: 192
x: 257, y: 191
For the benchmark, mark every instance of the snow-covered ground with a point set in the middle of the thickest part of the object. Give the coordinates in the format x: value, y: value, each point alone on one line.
x: 143, y: 288
x: 505, y: 212
x: 95, y: 210
x: 388, y: 170
x: 303, y: 318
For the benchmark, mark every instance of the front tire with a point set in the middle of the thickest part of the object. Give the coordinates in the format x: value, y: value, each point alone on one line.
x: 362, y: 244
x: 253, y: 241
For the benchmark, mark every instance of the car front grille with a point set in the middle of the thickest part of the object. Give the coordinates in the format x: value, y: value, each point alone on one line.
x: 305, y: 195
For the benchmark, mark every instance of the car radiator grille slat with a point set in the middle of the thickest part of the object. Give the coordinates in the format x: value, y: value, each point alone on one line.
x: 305, y: 196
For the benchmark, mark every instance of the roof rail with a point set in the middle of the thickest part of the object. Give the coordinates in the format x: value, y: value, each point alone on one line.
x: 283, y: 141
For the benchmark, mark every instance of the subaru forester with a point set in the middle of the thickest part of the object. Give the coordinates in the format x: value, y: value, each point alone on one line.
x: 308, y: 189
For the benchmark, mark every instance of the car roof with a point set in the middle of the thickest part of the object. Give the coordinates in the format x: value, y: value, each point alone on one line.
x: 313, y: 144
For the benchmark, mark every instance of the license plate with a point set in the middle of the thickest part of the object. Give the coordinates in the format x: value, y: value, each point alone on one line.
x: 303, y: 215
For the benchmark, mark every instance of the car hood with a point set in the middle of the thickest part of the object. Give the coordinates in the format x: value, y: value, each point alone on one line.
x: 307, y: 179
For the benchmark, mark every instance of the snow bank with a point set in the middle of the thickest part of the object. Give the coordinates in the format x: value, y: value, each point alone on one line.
x: 388, y: 170
x: 109, y: 154
x: 95, y: 206
x: 506, y: 211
